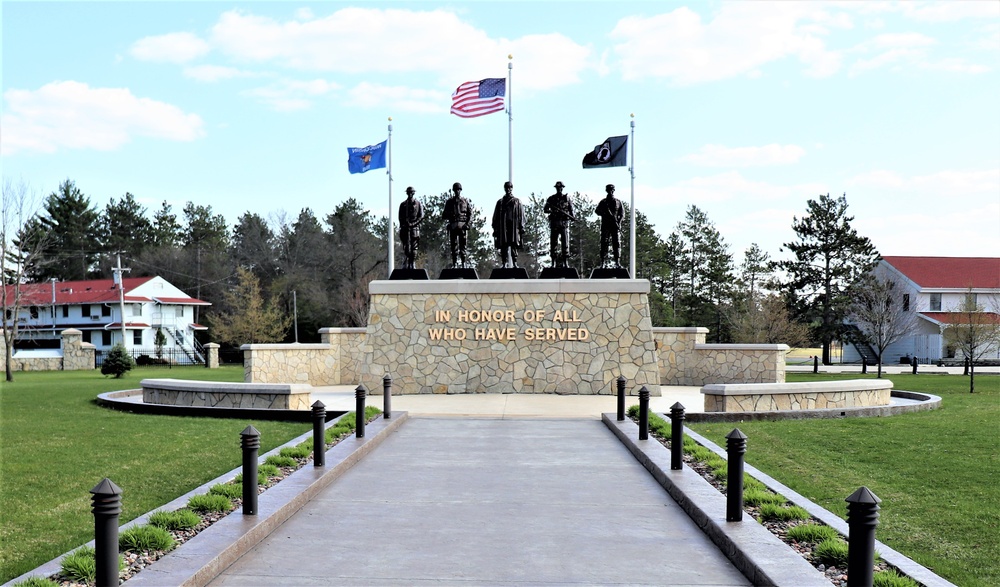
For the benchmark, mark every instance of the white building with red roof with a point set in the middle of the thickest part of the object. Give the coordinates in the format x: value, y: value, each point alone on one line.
x: 935, y: 288
x: 95, y: 308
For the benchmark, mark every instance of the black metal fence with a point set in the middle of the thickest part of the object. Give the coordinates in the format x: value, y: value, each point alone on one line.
x: 150, y: 358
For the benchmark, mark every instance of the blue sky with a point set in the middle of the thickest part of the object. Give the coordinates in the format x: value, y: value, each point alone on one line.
x: 744, y: 109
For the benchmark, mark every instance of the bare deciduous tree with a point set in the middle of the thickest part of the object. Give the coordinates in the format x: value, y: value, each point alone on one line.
x: 974, y: 332
x: 878, y: 310
x: 764, y: 319
x: 22, y: 239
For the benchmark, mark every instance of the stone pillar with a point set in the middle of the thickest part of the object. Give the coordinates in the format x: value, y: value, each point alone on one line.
x: 77, y: 355
x: 212, y: 355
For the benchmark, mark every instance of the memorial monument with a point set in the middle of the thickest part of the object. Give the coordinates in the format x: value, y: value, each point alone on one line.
x: 560, y: 211
x: 611, y: 212
x: 508, y: 234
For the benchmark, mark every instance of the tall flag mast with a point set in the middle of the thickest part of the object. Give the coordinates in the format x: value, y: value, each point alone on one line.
x: 631, y: 169
x: 388, y: 171
x: 510, y: 120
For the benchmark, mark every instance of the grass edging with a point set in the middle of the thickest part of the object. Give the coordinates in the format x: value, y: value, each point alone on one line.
x: 895, y: 558
x: 762, y: 557
x: 216, y: 547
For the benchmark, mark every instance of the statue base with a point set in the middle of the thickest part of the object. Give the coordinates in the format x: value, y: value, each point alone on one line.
x: 404, y: 274
x: 559, y: 273
x: 509, y: 273
x: 609, y: 273
x: 459, y: 273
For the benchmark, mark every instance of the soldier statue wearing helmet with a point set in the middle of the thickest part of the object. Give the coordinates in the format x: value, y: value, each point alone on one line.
x: 560, y: 210
x: 458, y: 214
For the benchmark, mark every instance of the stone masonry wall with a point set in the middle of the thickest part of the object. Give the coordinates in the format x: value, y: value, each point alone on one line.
x: 76, y: 356
x: 563, y: 336
x: 797, y: 401
x: 685, y: 359
x: 289, y: 363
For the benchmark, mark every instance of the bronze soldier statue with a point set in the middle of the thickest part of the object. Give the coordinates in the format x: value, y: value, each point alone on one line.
x: 458, y: 213
x: 410, y: 216
x: 560, y: 211
x: 508, y: 226
x: 611, y: 212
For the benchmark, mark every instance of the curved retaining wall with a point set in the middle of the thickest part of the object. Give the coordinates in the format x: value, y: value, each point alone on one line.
x: 813, y: 395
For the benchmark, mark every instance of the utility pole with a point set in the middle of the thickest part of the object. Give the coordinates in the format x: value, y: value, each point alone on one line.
x: 120, y: 282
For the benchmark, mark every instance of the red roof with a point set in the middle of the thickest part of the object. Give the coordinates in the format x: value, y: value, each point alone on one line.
x: 961, y: 317
x: 950, y: 272
x: 93, y: 291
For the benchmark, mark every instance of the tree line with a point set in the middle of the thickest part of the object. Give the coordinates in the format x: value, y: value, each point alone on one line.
x: 322, y: 262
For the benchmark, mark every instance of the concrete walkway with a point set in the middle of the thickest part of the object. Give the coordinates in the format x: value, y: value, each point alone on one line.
x: 489, y: 502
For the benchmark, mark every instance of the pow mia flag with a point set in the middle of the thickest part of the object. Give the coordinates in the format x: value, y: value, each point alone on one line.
x: 611, y: 153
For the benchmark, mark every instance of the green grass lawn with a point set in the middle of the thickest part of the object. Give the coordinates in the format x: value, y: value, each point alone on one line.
x: 937, y: 472
x: 56, y: 444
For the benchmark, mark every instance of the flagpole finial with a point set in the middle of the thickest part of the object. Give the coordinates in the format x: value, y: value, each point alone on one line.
x: 510, y: 57
x: 390, y: 119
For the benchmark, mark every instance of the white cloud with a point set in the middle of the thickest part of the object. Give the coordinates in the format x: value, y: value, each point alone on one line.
x: 171, y: 48
x: 287, y: 95
x: 73, y: 115
x: 397, y: 98
x: 730, y: 185
x: 722, y: 156
x: 214, y: 73
x: 945, y: 185
x: 740, y: 38
x: 896, y: 50
x: 362, y: 40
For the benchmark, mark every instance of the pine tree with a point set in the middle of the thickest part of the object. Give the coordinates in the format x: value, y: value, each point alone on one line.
x: 830, y: 256
x: 249, y: 319
x: 118, y: 362
x: 72, y: 245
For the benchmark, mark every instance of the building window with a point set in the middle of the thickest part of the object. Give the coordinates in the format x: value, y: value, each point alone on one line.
x: 179, y: 311
x: 971, y: 300
x: 85, y: 310
x: 137, y: 309
x: 106, y: 338
x: 33, y: 312
x: 935, y: 302
x: 65, y: 310
x: 906, y: 302
x: 137, y: 337
x: 86, y: 336
x: 105, y: 310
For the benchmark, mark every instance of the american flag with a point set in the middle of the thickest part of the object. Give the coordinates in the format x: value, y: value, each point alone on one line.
x: 473, y: 99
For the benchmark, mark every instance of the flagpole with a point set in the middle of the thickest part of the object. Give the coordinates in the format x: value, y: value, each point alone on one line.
x: 510, y: 120
x: 391, y: 236
x: 631, y: 244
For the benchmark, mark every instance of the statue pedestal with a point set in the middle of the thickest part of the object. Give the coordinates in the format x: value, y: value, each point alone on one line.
x: 509, y: 273
x: 559, y: 273
x: 609, y: 273
x: 510, y: 336
x: 405, y: 274
x: 459, y: 273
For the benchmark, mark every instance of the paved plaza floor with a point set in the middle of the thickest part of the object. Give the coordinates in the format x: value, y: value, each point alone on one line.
x: 489, y: 501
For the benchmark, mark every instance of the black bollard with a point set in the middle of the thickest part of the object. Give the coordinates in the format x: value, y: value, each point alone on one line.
x: 815, y: 364
x: 387, y: 397
x: 621, y: 397
x: 643, y: 413
x: 864, y: 365
x: 676, y: 437
x: 250, y: 441
x: 736, y: 447
x: 319, y: 433
x: 107, y: 505
x: 862, y: 517
x: 359, y: 411
x: 914, y: 363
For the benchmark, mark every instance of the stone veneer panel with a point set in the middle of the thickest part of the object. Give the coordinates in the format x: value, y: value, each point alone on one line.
x: 433, y: 337
x: 685, y: 359
x: 797, y: 396
x: 175, y: 392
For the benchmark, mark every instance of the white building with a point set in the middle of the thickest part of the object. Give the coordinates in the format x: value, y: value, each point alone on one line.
x: 935, y: 287
x: 95, y: 308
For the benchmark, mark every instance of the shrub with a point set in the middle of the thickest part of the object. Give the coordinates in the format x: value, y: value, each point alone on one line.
x: 80, y: 565
x: 268, y: 470
x: 118, y: 362
x: 182, y: 519
x: 832, y: 552
x: 281, y: 461
x: 230, y: 490
x: 210, y: 503
x: 769, y: 511
x: 148, y: 537
x: 757, y: 497
x: 36, y: 582
x: 891, y: 578
x: 299, y: 451
x: 812, y: 533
